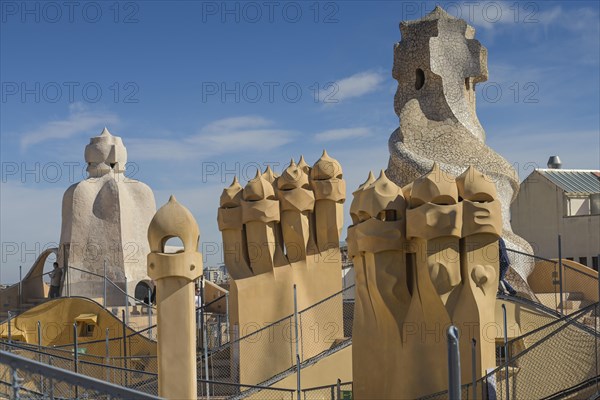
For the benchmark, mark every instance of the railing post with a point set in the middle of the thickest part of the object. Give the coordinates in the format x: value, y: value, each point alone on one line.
x: 204, y: 337
x: 39, y: 336
x: 16, y: 384
x: 560, y: 276
x: 124, y: 328
x: 227, y: 316
x: 474, y: 366
x: 51, y: 389
x: 219, y: 329
x: 596, y: 316
x: 20, y: 285
x: 126, y: 318
x: 149, y: 314
x: 339, y: 389
x: 506, y: 358
x: 75, y: 357
x: 107, y: 354
x: 298, y: 384
x: 453, y: 364
x: 9, y: 327
x: 200, y: 313
x: 104, y: 284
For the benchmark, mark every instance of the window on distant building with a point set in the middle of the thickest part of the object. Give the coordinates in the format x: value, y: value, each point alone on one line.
x: 578, y: 206
x: 583, y: 260
x: 570, y: 258
x: 595, y: 262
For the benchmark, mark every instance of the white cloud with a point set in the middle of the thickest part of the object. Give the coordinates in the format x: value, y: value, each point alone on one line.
x: 224, y: 136
x: 342, y: 134
x: 353, y: 86
x: 235, y: 123
x: 80, y: 120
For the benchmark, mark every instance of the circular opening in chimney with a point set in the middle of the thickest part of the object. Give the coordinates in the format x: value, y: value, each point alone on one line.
x: 419, y: 79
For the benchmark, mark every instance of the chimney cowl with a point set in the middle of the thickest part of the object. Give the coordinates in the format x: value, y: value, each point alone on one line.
x: 554, y: 162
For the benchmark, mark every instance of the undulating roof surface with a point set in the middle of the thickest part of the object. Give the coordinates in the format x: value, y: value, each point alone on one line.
x: 574, y: 181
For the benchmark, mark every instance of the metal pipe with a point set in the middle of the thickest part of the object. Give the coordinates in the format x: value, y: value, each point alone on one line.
x: 597, y: 311
x: 39, y: 335
x: 20, y: 285
x: 219, y: 329
x: 104, y: 282
x: 227, y: 315
x: 206, y: 365
x: 200, y: 311
x: 75, y: 356
x: 124, y: 328
x: 50, y: 360
x: 149, y: 314
x: 474, y: 366
x: 126, y: 320
x: 453, y: 364
x: 506, y: 358
x: 298, y: 384
x: 75, y: 348
x: 204, y: 337
x: 16, y: 384
x: 9, y: 327
x: 560, y: 276
x: 107, y: 353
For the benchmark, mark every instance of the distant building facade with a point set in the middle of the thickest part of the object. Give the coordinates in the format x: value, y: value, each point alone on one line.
x: 217, y: 274
x: 557, y: 201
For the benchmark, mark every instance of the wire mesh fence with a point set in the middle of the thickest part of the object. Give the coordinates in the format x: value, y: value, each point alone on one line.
x: 562, y: 285
x: 338, y: 391
x: 24, y: 378
x: 323, y: 328
x: 555, y: 361
x: 117, y: 371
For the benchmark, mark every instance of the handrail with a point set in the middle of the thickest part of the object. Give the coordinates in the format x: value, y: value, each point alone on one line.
x: 574, y: 389
x: 326, y: 386
x: 530, y: 255
x: 115, y: 285
x: 548, y: 310
x: 26, y: 278
x: 35, y: 367
x: 244, y: 385
x: 197, y: 309
x: 228, y: 344
x: 569, y: 317
x: 522, y: 353
x: 580, y: 272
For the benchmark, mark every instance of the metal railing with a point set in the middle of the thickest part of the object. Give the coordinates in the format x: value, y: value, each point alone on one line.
x: 22, y: 377
x: 302, y: 338
x: 566, y: 289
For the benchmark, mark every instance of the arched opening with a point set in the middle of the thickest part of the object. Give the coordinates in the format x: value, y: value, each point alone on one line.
x: 173, y: 245
x: 142, y: 290
x: 419, y: 78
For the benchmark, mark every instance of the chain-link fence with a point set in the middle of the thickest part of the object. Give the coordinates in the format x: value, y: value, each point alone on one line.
x: 22, y: 377
x: 338, y: 391
x: 562, y: 285
x: 322, y: 329
x: 558, y: 360
x: 92, y: 366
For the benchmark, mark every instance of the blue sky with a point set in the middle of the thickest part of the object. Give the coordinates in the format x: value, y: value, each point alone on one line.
x: 200, y: 91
